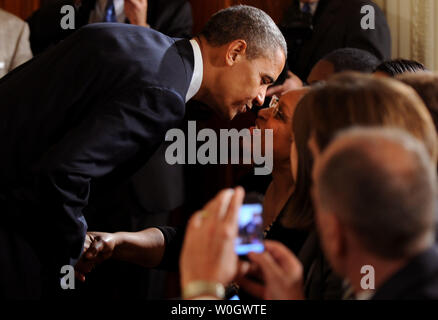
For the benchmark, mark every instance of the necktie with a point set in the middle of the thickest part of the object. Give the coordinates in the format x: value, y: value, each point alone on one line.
x: 306, y: 8
x: 110, y: 12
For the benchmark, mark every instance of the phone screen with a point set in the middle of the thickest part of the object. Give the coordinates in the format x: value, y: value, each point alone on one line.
x: 250, y: 237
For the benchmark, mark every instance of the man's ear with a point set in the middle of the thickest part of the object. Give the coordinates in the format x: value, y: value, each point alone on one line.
x: 338, y: 236
x: 332, y: 234
x: 236, y: 50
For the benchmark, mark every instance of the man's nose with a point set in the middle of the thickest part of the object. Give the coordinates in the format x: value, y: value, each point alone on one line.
x: 260, y: 99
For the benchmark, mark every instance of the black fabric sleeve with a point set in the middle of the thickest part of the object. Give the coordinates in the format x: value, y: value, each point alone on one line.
x: 377, y: 41
x: 174, y: 238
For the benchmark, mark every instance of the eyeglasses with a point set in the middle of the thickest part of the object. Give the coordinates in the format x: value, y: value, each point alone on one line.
x: 274, y: 104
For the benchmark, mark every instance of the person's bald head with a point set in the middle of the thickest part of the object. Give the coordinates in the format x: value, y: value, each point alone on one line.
x: 380, y: 184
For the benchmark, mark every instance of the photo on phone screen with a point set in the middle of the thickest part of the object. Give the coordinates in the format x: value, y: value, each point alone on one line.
x: 250, y: 237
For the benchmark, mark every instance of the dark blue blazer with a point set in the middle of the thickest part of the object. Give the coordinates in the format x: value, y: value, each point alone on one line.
x: 418, y: 280
x: 80, y: 119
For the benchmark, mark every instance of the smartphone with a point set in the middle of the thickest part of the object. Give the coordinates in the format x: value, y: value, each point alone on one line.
x: 250, y: 238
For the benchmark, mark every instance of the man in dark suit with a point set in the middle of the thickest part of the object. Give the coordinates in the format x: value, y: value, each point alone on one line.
x: 375, y: 194
x: 156, y: 189
x: 98, y: 105
x: 314, y: 28
x: 171, y: 17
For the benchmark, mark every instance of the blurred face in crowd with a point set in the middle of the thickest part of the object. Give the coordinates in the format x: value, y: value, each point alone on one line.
x: 381, y: 74
x: 279, y: 118
x: 243, y: 82
x: 321, y: 72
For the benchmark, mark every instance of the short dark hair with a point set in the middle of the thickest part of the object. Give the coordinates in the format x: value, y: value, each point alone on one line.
x: 389, y: 205
x: 248, y: 23
x: 400, y: 66
x: 352, y: 59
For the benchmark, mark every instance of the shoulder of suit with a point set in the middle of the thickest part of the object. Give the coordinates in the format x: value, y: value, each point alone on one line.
x: 10, y: 21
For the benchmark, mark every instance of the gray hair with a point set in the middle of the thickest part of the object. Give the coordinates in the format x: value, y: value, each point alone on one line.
x: 247, y: 23
x: 382, y: 184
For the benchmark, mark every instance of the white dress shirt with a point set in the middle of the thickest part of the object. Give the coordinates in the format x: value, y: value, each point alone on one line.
x: 198, y: 71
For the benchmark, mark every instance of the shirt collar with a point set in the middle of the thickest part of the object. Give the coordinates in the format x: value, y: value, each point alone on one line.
x: 348, y: 292
x: 365, y: 295
x: 198, y: 71
x: 313, y: 7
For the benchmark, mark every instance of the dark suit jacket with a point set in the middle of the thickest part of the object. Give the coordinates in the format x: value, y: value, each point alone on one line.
x: 418, y: 280
x: 78, y: 120
x: 320, y: 282
x: 171, y: 17
x: 337, y: 25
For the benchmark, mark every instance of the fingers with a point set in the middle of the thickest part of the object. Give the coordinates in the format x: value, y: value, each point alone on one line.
x: 282, y: 255
x: 138, y: 4
x: 95, y: 248
x: 257, y: 290
x: 243, y: 268
x: 83, y: 267
x: 218, y: 206
x: 274, y: 90
x: 267, y: 264
x: 232, y: 214
x: 80, y: 276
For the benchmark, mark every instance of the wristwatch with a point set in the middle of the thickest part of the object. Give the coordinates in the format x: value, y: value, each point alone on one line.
x: 203, y: 289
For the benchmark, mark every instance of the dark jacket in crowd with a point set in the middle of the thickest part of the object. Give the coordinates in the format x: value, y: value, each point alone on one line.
x: 418, y: 280
x: 171, y: 17
x: 335, y: 24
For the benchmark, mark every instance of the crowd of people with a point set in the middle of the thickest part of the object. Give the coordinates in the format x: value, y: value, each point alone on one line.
x: 355, y: 153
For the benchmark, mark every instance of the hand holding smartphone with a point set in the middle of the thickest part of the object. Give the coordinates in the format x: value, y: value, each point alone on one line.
x: 250, y: 238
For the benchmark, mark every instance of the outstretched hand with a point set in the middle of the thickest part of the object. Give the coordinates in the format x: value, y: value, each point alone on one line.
x: 292, y: 82
x: 98, y: 246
